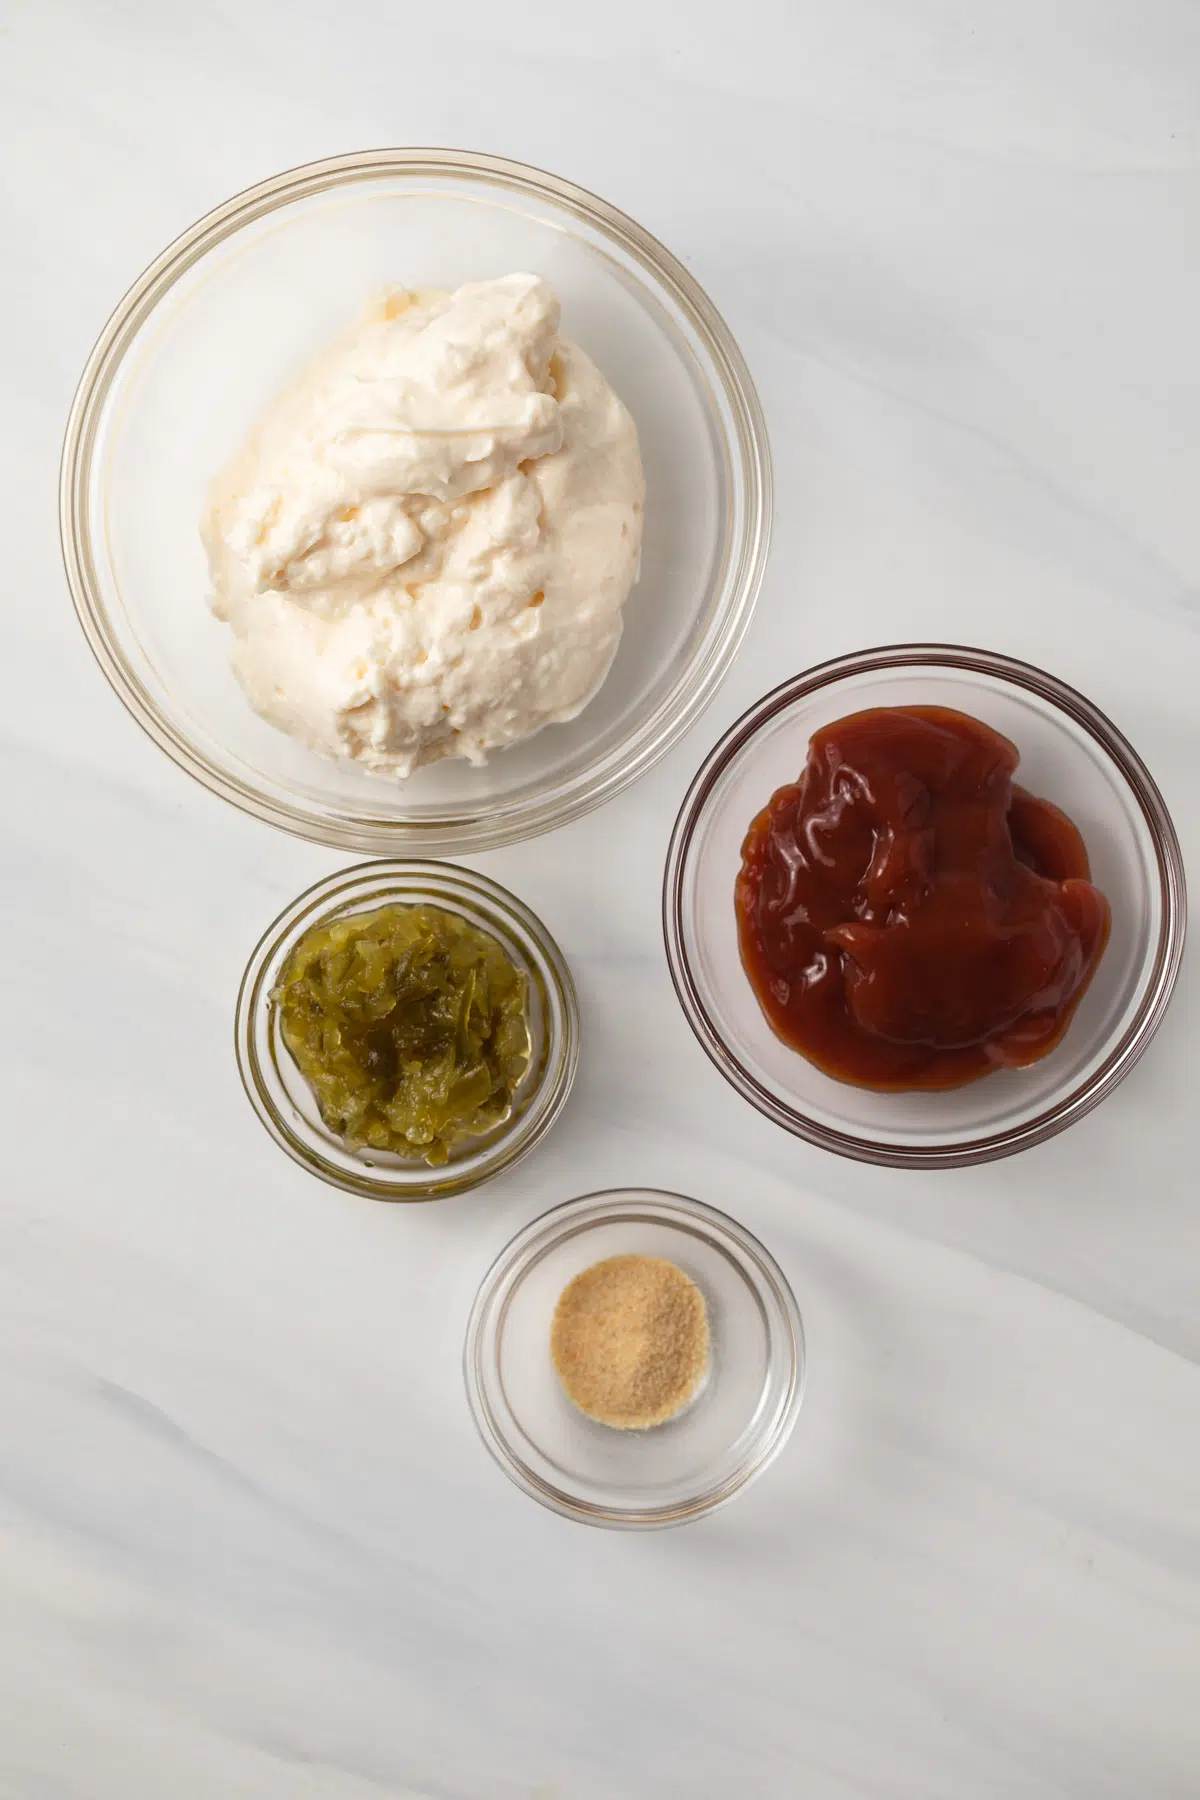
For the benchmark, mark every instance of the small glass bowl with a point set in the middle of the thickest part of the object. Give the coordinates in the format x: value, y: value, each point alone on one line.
x: 1072, y: 755
x: 231, y: 310
x: 283, y: 1099
x: 736, y: 1424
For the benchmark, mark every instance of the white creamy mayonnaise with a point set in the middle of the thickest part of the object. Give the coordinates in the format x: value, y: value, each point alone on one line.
x: 424, y: 546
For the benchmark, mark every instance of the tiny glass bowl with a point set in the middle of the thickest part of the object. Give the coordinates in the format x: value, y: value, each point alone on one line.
x: 240, y: 303
x: 282, y: 1097
x: 735, y: 1424
x: 1072, y: 755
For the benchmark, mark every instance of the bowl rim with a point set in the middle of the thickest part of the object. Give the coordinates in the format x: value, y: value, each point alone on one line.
x: 744, y: 441
x: 375, y: 883
x: 1159, y: 986
x: 569, y: 1216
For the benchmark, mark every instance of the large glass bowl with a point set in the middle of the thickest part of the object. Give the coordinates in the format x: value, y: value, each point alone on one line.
x: 1072, y: 755
x: 234, y: 307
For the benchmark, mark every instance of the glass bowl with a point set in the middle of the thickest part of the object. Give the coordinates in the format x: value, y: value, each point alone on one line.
x: 734, y: 1427
x: 234, y: 307
x: 1070, y: 754
x: 283, y: 1099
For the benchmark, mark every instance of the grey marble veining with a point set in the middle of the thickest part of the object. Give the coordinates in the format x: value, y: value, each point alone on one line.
x: 249, y: 1544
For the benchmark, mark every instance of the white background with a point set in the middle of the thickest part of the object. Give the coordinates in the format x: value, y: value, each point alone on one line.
x: 249, y: 1544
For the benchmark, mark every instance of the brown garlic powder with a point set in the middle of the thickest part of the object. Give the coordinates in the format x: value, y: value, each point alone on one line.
x: 630, y: 1341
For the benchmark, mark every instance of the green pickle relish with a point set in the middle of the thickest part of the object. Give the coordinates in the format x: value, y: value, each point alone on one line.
x: 410, y: 1025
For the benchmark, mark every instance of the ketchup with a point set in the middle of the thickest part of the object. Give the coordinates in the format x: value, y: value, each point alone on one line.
x: 907, y: 917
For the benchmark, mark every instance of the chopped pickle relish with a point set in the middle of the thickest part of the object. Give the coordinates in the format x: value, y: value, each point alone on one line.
x: 410, y: 1025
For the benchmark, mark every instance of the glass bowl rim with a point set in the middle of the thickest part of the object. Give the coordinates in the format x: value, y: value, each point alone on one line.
x: 743, y: 434
x: 372, y: 880
x: 539, y: 1235
x: 1158, y: 986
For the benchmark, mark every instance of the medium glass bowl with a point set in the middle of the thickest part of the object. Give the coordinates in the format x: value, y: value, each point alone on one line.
x: 734, y: 1427
x: 232, y: 309
x: 283, y: 1099
x: 1071, y: 755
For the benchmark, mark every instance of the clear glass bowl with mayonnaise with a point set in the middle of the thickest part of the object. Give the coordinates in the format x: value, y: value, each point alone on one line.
x: 234, y: 309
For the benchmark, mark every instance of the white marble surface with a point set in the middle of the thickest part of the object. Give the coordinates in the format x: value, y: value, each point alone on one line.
x: 249, y: 1545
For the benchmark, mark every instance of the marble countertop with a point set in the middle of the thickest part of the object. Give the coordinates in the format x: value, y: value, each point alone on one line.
x: 249, y: 1543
